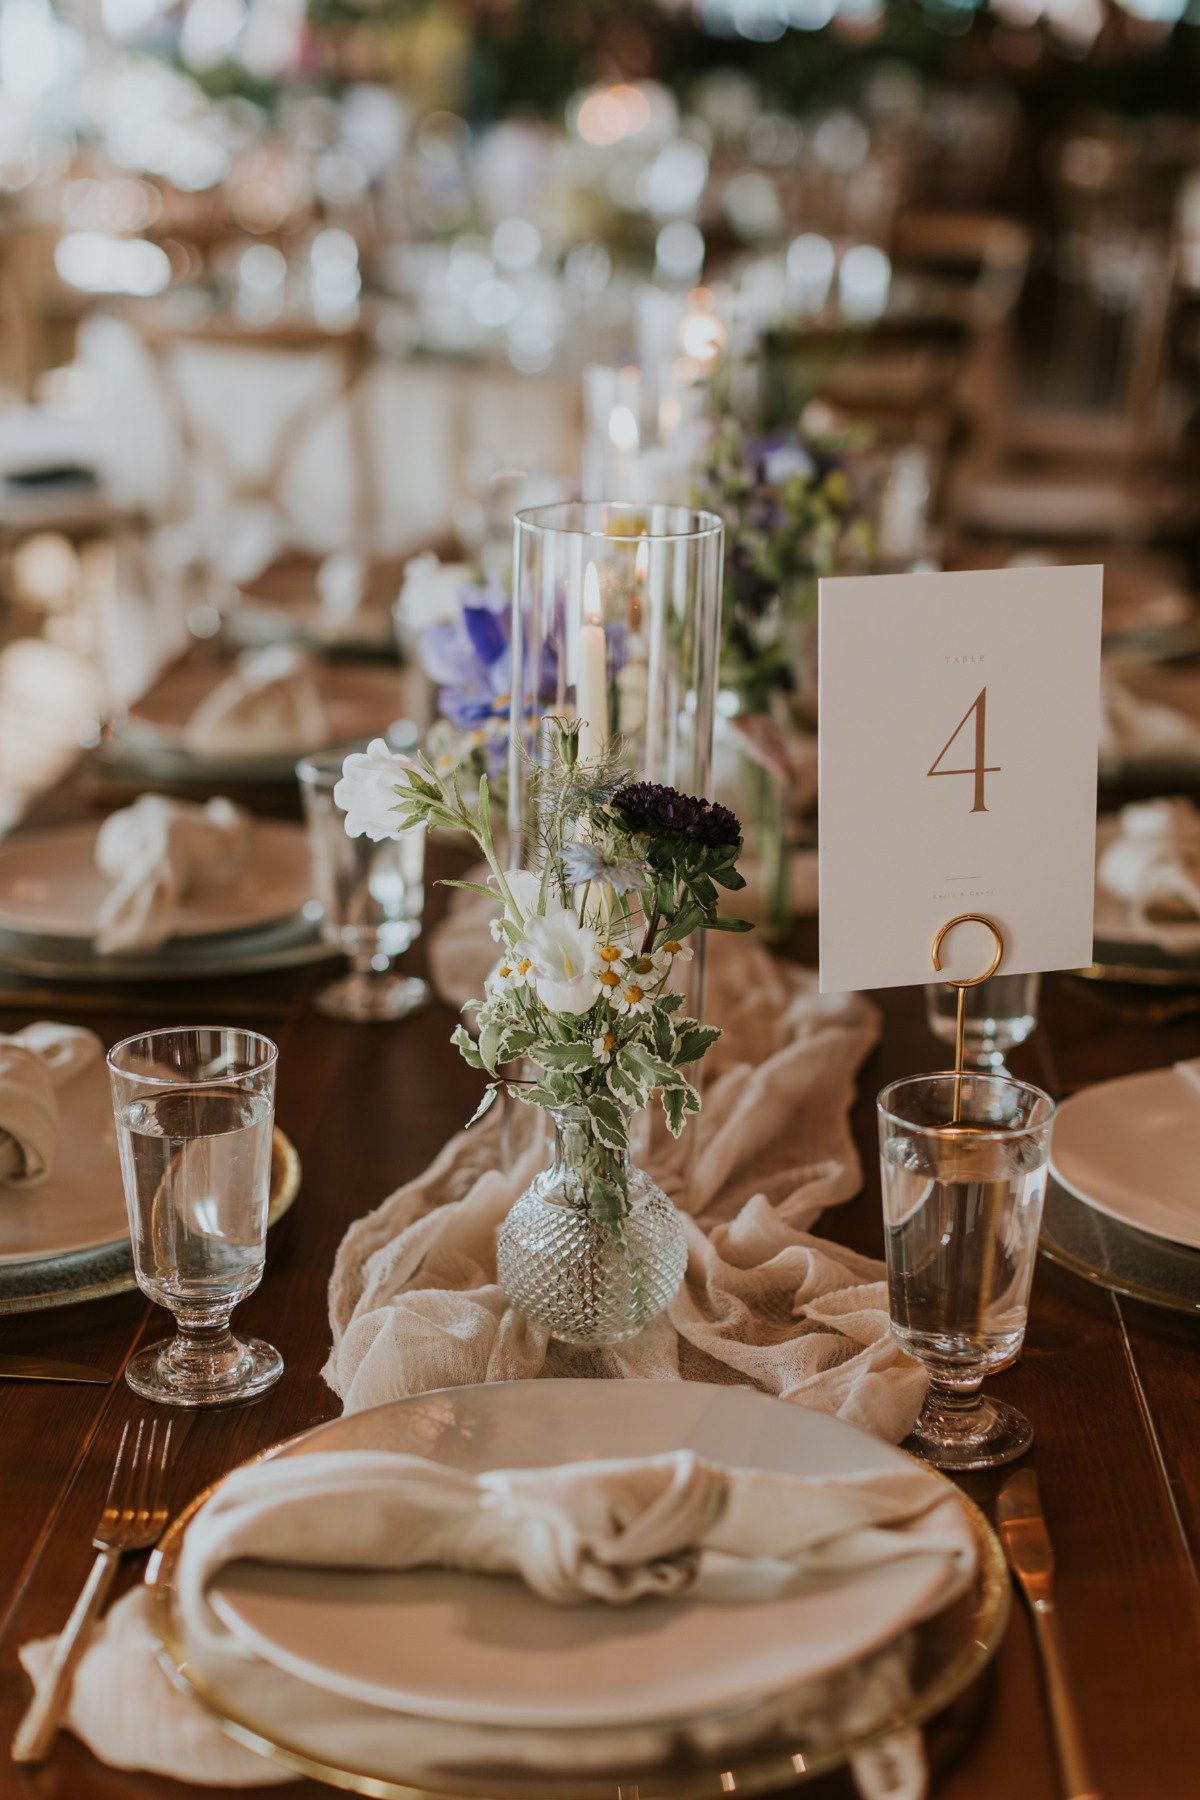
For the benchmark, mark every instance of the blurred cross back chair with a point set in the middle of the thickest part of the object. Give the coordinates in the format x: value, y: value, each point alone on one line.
x: 1095, y: 445
x: 1110, y: 467
x: 250, y: 409
x: 935, y: 360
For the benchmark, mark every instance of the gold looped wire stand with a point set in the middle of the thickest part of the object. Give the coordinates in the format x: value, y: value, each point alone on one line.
x: 962, y: 983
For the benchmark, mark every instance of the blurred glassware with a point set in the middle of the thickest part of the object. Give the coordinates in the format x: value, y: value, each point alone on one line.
x: 195, y: 1111
x: 372, y: 896
x: 1000, y: 1014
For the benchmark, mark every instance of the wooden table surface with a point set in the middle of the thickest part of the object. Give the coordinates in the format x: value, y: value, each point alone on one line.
x: 1112, y: 1387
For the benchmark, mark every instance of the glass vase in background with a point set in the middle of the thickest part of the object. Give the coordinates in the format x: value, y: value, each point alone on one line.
x: 963, y: 1188
x: 195, y: 1112
x: 371, y: 895
x: 642, y: 433
x: 999, y: 1014
x: 567, y: 1264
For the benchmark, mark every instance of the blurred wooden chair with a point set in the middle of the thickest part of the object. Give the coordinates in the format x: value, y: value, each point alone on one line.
x: 246, y: 405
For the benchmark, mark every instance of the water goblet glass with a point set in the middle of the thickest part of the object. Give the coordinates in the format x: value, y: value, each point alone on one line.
x: 371, y: 896
x: 1000, y: 1013
x: 195, y: 1112
x: 962, y: 1208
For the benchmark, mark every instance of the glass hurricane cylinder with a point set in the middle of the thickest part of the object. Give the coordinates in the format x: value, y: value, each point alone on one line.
x: 616, y: 622
x: 565, y: 1263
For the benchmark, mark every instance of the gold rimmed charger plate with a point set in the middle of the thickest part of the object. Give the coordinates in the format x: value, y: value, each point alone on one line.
x: 952, y: 1651
x: 95, y: 1274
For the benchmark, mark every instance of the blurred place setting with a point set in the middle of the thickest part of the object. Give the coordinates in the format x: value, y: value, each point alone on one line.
x: 600, y: 897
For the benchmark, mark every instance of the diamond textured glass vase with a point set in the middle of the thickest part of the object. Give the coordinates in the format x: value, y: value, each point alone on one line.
x: 568, y: 1261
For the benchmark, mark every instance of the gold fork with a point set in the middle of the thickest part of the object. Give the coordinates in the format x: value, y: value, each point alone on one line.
x: 133, y: 1518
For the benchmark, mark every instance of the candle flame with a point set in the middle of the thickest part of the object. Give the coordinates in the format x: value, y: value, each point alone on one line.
x: 592, y: 614
x: 641, y: 562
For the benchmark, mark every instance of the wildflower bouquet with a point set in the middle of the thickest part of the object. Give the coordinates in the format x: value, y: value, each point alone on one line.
x: 630, y: 872
x: 790, y: 514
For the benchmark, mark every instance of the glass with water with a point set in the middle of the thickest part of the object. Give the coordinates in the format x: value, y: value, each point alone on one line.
x: 371, y: 896
x: 963, y: 1188
x: 998, y: 1015
x: 195, y: 1112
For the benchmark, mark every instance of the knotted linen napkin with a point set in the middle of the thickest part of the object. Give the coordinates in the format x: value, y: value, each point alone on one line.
x: 1153, y: 865
x: 1138, y: 718
x: 158, y: 853
x: 36, y: 1064
x: 613, y: 1532
x: 269, y: 703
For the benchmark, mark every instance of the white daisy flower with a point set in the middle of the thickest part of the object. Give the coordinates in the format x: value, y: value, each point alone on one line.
x: 630, y: 998
x: 613, y: 956
x: 603, y: 1046
x: 643, y: 968
x: 674, y: 952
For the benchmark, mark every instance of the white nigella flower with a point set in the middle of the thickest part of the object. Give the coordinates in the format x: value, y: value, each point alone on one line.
x: 367, y: 791
x: 603, y: 1046
x: 630, y: 998
x: 565, y: 961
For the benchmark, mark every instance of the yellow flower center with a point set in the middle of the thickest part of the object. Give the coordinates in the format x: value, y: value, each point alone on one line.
x: 633, y: 994
x: 642, y: 965
x: 505, y: 971
x: 609, y: 1041
x: 610, y: 954
x: 606, y: 978
x: 524, y: 966
x: 671, y: 948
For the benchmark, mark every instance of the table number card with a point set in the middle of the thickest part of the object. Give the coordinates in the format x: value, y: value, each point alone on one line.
x: 959, y: 720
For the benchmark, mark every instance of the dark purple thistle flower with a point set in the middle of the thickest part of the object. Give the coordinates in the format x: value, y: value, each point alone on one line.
x: 646, y: 807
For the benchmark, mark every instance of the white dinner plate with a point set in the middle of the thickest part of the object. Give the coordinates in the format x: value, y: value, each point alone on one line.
x: 1131, y: 1149
x: 50, y: 885
x: 466, y: 1647
x: 81, y: 1204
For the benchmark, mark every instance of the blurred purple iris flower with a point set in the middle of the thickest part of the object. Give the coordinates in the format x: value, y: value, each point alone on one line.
x: 469, y: 657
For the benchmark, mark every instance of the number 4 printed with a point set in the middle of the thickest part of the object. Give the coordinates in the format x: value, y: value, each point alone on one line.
x: 980, y: 768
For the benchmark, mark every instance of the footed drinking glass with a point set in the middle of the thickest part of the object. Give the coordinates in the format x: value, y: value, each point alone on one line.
x: 962, y: 1208
x: 566, y: 1264
x: 998, y: 1015
x: 195, y: 1111
x: 372, y: 896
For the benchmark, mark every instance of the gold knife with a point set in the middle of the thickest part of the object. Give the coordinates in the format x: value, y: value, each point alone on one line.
x: 45, y: 1368
x: 1026, y: 1541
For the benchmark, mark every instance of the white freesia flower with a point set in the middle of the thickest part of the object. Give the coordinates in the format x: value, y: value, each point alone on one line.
x: 430, y: 591
x: 564, y: 957
x: 367, y: 791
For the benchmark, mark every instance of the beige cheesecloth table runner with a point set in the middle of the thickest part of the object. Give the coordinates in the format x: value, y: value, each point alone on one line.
x: 414, y: 1302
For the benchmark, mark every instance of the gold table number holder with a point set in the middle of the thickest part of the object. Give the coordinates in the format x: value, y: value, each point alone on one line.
x: 961, y: 983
